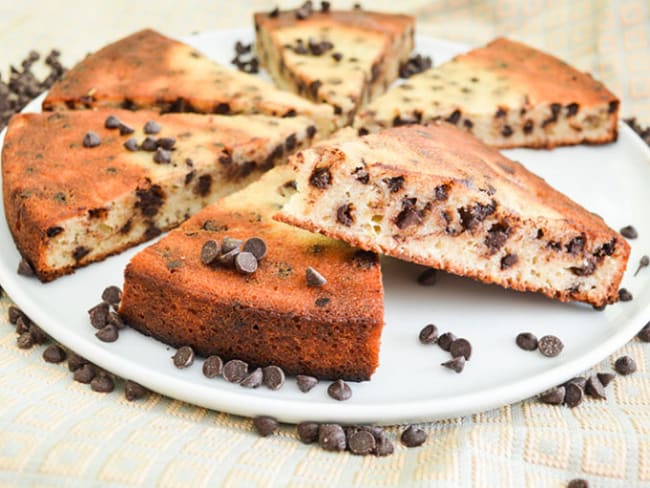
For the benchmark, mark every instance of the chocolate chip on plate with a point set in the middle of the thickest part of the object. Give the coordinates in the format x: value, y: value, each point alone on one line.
x: 629, y: 232
x: 331, y: 437
x: 209, y: 252
x: 25, y: 269
x: 91, y: 139
x: 151, y: 127
x: 273, y: 377
x: 624, y: 295
x: 245, y: 263
x: 361, y: 442
x: 112, y: 122
x: 184, y: 357
x: 112, y: 295
x: 339, y: 390
x: 235, y: 370
x: 102, y: 384
x: 84, y: 374
x: 578, y: 483
x: 116, y: 320
x: 445, y: 341
x: 595, y: 388
x: 265, y: 425
x: 550, y: 346
x: 134, y: 391
x: 573, y: 395
x: 527, y: 341
x: 308, y: 432
x: 212, y: 366
x: 314, y: 278
x: 54, y: 354
x: 305, y: 382
x: 625, y: 365
x: 644, y: 334
x: 428, y: 334
x: 99, y: 315
x: 643, y: 263
x: 107, y: 333
x: 461, y: 347
x: 428, y: 277
x: 413, y: 437
x: 554, y: 396
x: 605, y: 378
x: 456, y: 364
x: 253, y: 380
x: 256, y: 246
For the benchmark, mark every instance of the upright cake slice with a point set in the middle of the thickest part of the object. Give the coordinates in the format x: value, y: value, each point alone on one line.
x: 508, y: 95
x: 437, y: 196
x: 343, y: 58
x: 76, y: 191
x: 276, y: 315
x: 149, y: 70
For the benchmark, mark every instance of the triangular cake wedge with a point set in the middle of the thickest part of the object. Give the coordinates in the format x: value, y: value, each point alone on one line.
x: 505, y: 93
x: 271, y: 316
x: 437, y: 196
x: 68, y: 205
x: 343, y: 58
x: 149, y: 70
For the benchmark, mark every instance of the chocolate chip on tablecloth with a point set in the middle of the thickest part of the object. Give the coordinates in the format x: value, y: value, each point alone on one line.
x: 578, y: 483
x: 456, y: 364
x: 265, y: 425
x: 314, y: 278
x: 383, y: 446
x: 428, y: 277
x: 108, y: 333
x: 273, y: 377
x: 212, y: 366
x: 361, y: 442
x: 461, y: 347
x: 339, y: 390
x: 134, y: 391
x: 184, y: 357
x: 23, y: 324
x: 629, y: 232
x: 25, y: 269
x: 594, y: 388
x: 25, y: 340
x: 84, y: 374
x: 554, y: 396
x: 428, y: 334
x: 573, y: 395
x: 102, y: 383
x: 624, y: 295
x: 235, y: 370
x: 308, y: 432
x: 13, y: 314
x: 75, y: 361
x: 445, y: 341
x: 526, y: 341
x: 253, y: 380
x: 305, y: 382
x: 112, y: 295
x: 605, y: 378
x: 550, y: 346
x: 413, y: 436
x: 644, y: 333
x: 331, y: 437
x: 54, y: 354
x: 625, y: 365
x: 581, y: 381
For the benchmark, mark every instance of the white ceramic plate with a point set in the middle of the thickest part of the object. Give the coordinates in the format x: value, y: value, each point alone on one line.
x: 410, y: 384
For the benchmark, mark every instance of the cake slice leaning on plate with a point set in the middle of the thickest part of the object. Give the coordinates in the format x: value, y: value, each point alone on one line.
x: 76, y: 191
x: 183, y: 293
x: 343, y: 58
x: 149, y: 70
x: 437, y: 196
x: 507, y: 94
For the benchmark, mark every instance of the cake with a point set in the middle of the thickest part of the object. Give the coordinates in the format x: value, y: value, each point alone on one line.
x: 437, y: 196
x: 149, y: 70
x: 505, y: 93
x: 272, y: 316
x: 342, y: 58
x: 74, y: 192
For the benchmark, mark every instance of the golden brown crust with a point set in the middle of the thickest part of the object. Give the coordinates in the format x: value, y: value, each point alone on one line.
x: 272, y: 316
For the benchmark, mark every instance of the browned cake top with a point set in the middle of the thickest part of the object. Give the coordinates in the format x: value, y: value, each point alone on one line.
x: 353, y: 290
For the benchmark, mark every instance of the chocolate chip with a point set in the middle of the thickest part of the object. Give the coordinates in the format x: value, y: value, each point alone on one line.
x: 454, y: 117
x: 445, y: 341
x: 23, y: 324
x: 643, y: 263
x: 428, y: 277
x: 112, y: 122
x: 290, y: 143
x: 339, y: 390
x: 115, y: 320
x: 461, y: 347
x: 506, y: 131
x: 644, y: 333
x: 576, y: 245
x: 308, y: 432
x: 84, y: 374
x: 322, y: 301
x: 91, y: 139
x: 228, y: 259
x: 314, y: 278
x: 413, y: 437
x: 184, y: 357
x: 429, y: 334
x: 337, y: 57
x: 625, y: 365
x: 273, y: 377
x: 394, y: 184
x: 54, y: 354
x: 253, y: 380
x: 383, y: 446
x: 152, y: 127
x: 149, y: 144
x: 605, y: 378
x: 209, y: 252
x: 527, y: 341
x: 102, y: 384
x: 456, y: 364
x: 265, y: 425
x: 212, y: 367
x: 361, y: 442
x: 414, y: 65
x: 134, y: 391
x: 75, y: 361
x: 595, y: 388
x: 235, y: 370
x: 228, y: 244
x: 497, y: 236
x: 344, y: 214
x: 162, y: 156
x: 508, y: 260
x: 245, y: 263
x: 25, y: 269
x: 331, y: 437
x: 573, y: 395
x: 256, y: 246
x: 305, y: 383
x: 409, y: 214
x: 581, y: 381
x: 624, y: 295
x: 99, y: 315
x: 13, y: 314
x: 550, y: 346
x: 125, y: 129
x: 554, y: 396
x: 112, y: 295
x: 25, y: 340
x: 166, y: 143
x: 578, y: 483
x: 629, y: 232
x: 107, y: 333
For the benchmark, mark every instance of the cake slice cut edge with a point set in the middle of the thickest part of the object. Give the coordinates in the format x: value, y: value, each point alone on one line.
x: 269, y: 317
x: 437, y: 196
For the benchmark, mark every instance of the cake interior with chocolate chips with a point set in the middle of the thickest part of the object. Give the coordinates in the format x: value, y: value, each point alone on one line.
x: 437, y: 196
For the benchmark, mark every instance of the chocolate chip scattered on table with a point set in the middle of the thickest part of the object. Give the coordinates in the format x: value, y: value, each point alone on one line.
x: 625, y: 365
x: 413, y: 436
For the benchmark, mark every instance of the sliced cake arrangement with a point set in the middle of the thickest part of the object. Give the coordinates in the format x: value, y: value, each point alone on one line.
x: 342, y: 58
x: 80, y: 186
x: 507, y: 94
x: 232, y: 281
x: 149, y: 70
x: 437, y: 196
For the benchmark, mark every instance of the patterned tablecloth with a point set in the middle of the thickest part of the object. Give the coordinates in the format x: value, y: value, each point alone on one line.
x: 56, y: 432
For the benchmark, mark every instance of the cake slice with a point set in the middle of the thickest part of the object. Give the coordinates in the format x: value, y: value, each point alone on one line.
x: 437, y: 196
x: 74, y: 192
x: 149, y: 70
x: 343, y: 58
x: 276, y: 315
x: 507, y: 94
